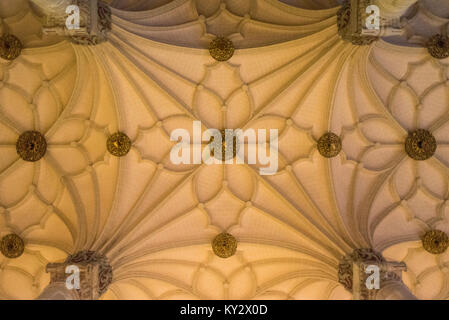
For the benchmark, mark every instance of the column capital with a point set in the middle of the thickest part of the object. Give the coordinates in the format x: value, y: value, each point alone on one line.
x: 357, y: 267
x: 351, y: 19
x: 95, y: 275
x: 95, y: 20
x: 357, y: 21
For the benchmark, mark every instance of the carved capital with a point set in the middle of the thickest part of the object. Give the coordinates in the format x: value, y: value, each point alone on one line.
x: 351, y: 20
x: 353, y: 273
x: 95, y: 21
x: 95, y: 274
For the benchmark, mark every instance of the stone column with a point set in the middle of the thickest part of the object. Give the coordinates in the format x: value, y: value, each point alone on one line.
x: 58, y: 291
x: 369, y: 276
x: 394, y: 290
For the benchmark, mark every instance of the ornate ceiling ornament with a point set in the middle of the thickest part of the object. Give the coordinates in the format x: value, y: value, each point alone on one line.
x: 31, y: 146
x: 227, y: 142
x: 438, y: 46
x: 118, y: 144
x: 10, y: 47
x: 12, y: 246
x: 435, y: 241
x: 221, y: 49
x: 95, y: 273
x: 329, y: 145
x: 224, y: 245
x: 350, y: 20
x: 420, y: 145
x: 353, y: 276
x: 95, y: 21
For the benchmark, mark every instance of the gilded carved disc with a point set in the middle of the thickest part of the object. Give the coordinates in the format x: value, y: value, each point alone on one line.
x: 420, y: 145
x: 31, y: 146
x: 12, y: 246
x: 221, y: 49
x: 224, y: 245
x: 438, y: 46
x: 329, y: 145
x: 227, y: 142
x: 10, y: 47
x: 118, y: 144
x: 435, y: 241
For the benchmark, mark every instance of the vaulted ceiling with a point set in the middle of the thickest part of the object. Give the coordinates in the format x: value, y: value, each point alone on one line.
x: 155, y: 220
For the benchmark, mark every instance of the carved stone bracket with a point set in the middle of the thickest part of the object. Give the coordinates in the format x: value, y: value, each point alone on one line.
x: 95, y: 21
x: 351, y: 19
x: 95, y: 274
x: 353, y: 275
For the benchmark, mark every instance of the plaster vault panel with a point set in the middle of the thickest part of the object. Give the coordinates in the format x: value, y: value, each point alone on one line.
x: 155, y: 220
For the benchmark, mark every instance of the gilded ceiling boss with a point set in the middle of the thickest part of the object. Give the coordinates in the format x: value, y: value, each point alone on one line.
x: 326, y: 176
x: 224, y: 145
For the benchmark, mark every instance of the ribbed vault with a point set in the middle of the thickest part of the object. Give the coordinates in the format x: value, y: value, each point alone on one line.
x: 155, y: 220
